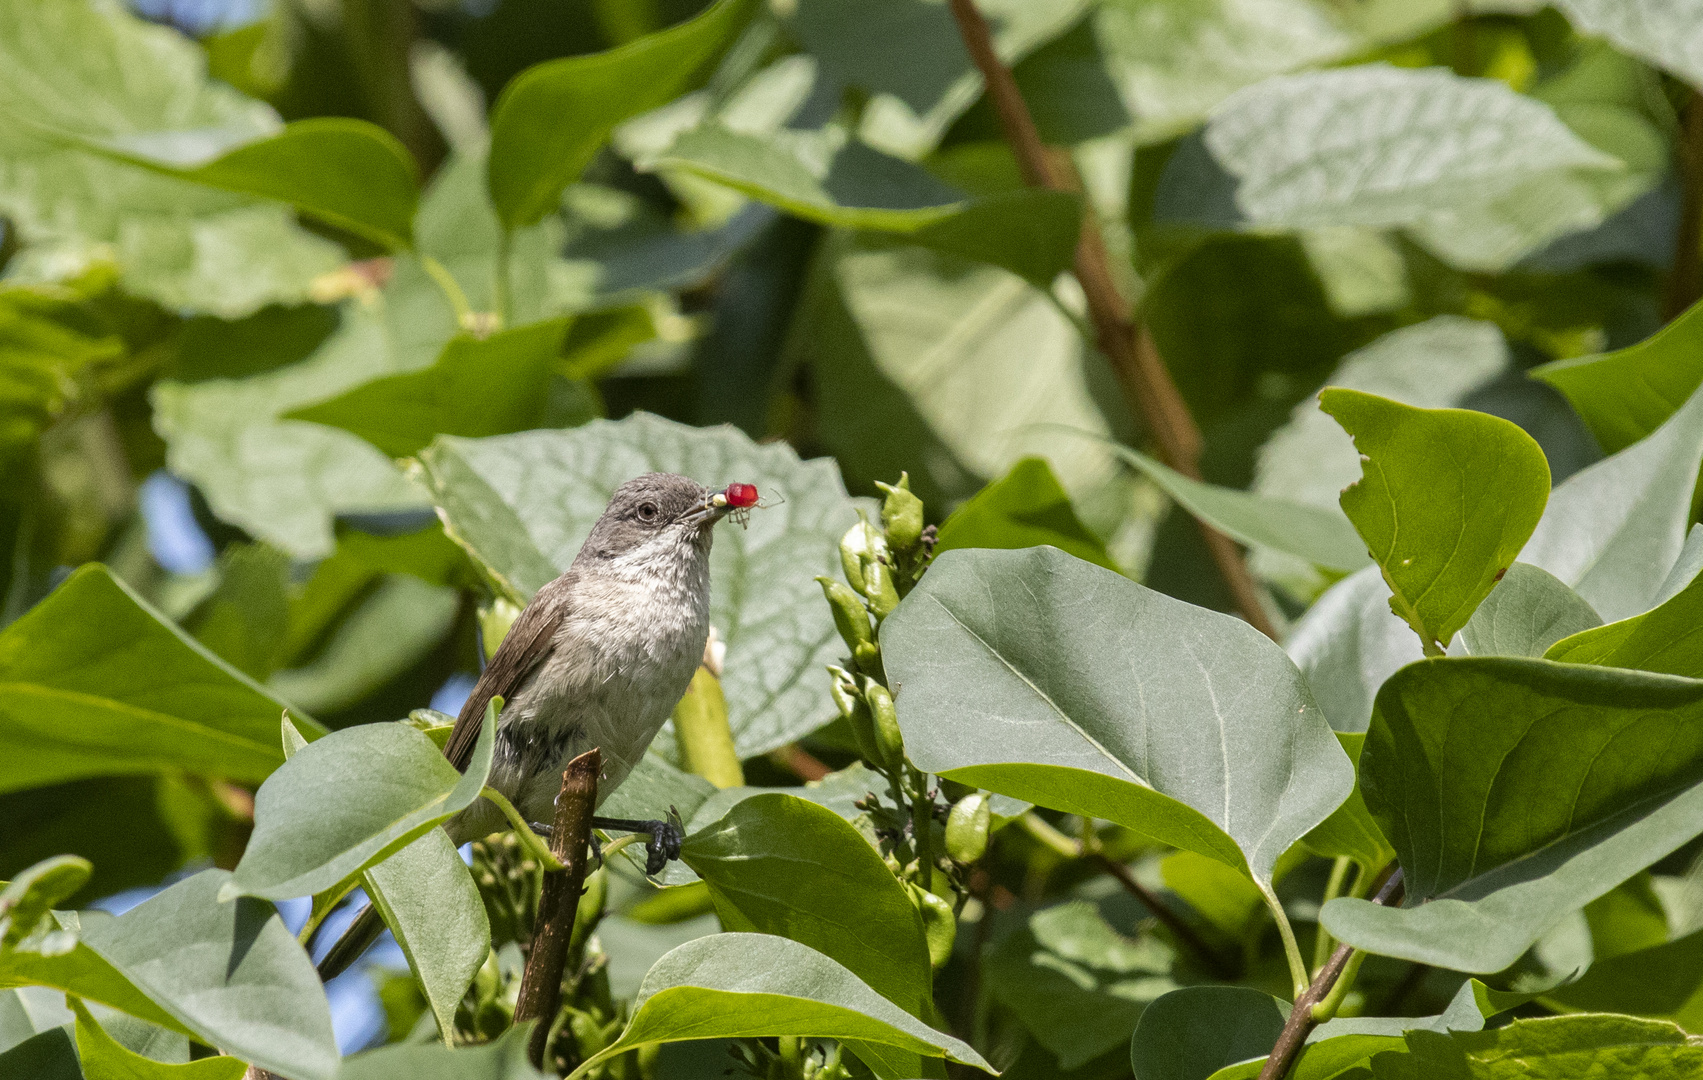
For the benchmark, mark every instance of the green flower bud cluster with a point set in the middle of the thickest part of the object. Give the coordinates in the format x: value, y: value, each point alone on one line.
x: 509, y: 883
x: 791, y: 1059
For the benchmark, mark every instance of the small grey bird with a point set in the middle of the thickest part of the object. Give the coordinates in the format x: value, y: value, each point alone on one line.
x: 599, y: 658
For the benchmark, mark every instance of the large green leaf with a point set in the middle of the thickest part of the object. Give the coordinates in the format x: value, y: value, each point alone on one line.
x: 427, y: 897
x: 1447, y: 500
x: 1483, y: 175
x: 94, y: 682
x: 552, y: 118
x: 1627, y: 394
x: 1528, y: 611
x: 324, y: 816
x: 1348, y: 643
x: 503, y: 1059
x: 1024, y: 508
x: 1516, y: 790
x: 1667, y: 638
x: 228, y: 971
x: 777, y: 864
x: 1350, y: 831
x: 99, y: 72
x: 1612, y: 531
x: 27, y: 898
x: 1048, y: 678
x: 51, y: 1055
x: 739, y: 985
x: 477, y: 387
x: 78, y: 970
x: 1077, y: 984
x: 1663, y: 33
x: 1320, y: 536
x: 1663, y: 982
x: 105, y: 1057
x: 348, y: 172
x: 523, y: 504
x: 1550, y: 1048
x: 1192, y: 1033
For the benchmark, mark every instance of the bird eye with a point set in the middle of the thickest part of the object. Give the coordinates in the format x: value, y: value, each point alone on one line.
x: 647, y: 511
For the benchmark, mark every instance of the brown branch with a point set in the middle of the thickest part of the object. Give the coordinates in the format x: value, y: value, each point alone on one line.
x: 1162, y: 911
x: 1301, y: 1021
x: 800, y: 762
x: 1147, y: 386
x: 570, y: 834
x: 1685, y: 283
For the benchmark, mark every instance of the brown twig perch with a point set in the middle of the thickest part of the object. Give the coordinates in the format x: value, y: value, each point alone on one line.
x: 570, y: 835
x: 1301, y: 1021
x: 1147, y: 386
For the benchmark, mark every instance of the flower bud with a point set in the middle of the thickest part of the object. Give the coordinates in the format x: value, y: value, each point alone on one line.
x: 967, y: 828
x: 901, y: 513
x: 939, y: 925
x: 850, y: 616
x: 879, y: 588
x: 858, y: 718
x: 862, y: 543
x: 889, y: 741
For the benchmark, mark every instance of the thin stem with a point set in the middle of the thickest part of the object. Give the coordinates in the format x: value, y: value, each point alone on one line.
x: 505, y: 242
x: 540, y: 994
x: 1147, y: 386
x: 1049, y: 837
x: 922, y: 827
x: 1302, y: 1020
x: 1291, y: 948
x: 1333, y: 889
x: 1326, y: 1009
x: 451, y: 288
x: 531, y: 841
x: 1685, y: 283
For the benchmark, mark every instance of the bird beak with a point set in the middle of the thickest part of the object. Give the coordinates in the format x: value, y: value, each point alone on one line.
x: 712, y: 510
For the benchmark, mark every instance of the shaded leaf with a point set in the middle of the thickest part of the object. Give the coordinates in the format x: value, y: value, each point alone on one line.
x: 475, y: 388
x: 1551, y: 1048
x: 1611, y: 530
x: 1008, y: 682
x: 1667, y: 638
x: 51, y: 1055
x: 553, y: 116
x: 1448, y: 498
x: 523, y: 504
x: 1528, y: 611
x: 736, y: 985
x: 94, y: 682
x: 1514, y: 791
x: 1191, y: 1033
x: 1348, y: 643
x: 105, y: 1058
x: 1662, y: 982
x: 503, y: 1059
x: 1351, y: 832
x: 321, y: 818
x: 1024, y: 508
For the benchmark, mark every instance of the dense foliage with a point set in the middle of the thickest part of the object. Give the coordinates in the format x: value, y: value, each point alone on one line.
x: 314, y: 368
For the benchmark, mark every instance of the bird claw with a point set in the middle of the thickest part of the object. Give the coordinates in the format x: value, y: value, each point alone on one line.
x: 665, y: 837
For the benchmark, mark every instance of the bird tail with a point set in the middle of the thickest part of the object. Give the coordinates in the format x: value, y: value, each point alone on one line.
x: 356, y: 940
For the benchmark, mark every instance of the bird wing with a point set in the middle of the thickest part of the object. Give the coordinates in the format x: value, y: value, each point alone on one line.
x: 527, y: 643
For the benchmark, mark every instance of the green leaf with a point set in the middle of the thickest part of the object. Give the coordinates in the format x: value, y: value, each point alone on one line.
x: 1223, y: 898
x: 98, y: 71
x: 1662, y: 982
x: 57, y: 958
x: 27, y: 898
x: 243, y: 621
x: 737, y: 985
x: 1005, y: 685
x: 320, y: 819
x: 94, y: 682
x: 1077, y: 984
x: 1514, y: 791
x: 1348, y: 643
x: 1625, y: 395
x: 824, y: 175
x: 1351, y: 832
x: 777, y: 864
x: 1612, y: 530
x: 50, y: 1055
x: 1030, y: 232
x: 1191, y: 1033
x: 350, y: 173
x: 229, y: 972
x: 553, y: 116
x: 427, y: 897
x: 104, y: 1057
x: 523, y: 504
x: 1667, y: 638
x: 503, y: 1059
x: 1320, y: 536
x: 1448, y: 498
x: 1024, y: 508
x: 1551, y: 1048
x: 1528, y: 611
x: 1661, y: 33
x: 477, y: 387
x: 1482, y: 174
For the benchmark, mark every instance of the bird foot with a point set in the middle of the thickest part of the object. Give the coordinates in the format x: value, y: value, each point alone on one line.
x: 665, y: 837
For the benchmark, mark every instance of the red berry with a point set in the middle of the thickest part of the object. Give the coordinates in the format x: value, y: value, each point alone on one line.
x: 741, y: 495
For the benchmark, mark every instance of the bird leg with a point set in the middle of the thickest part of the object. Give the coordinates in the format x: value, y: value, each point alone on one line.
x: 665, y: 837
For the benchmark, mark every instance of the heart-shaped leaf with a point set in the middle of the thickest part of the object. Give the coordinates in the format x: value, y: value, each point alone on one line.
x: 1048, y: 678
x: 346, y: 801
x: 94, y: 682
x: 1192, y: 1033
x: 522, y: 505
x: 777, y: 864
x: 1448, y: 498
x: 1514, y: 791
